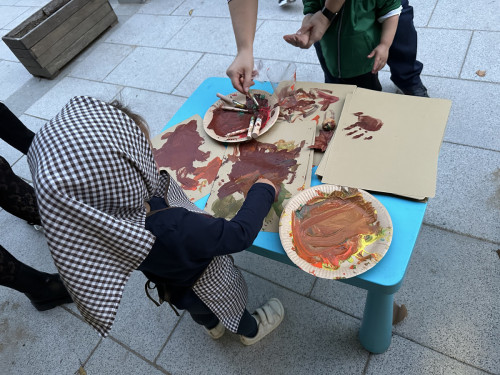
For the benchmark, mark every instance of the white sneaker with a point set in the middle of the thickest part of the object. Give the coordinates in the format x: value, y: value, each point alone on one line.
x: 268, y: 317
x: 282, y: 3
x: 216, y: 332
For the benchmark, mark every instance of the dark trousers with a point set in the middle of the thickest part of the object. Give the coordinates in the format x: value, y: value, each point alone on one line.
x: 405, y: 68
x: 367, y: 81
x: 13, y: 131
x: 202, y: 315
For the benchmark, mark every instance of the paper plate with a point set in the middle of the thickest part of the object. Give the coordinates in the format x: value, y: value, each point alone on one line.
x: 369, y: 251
x: 275, y: 111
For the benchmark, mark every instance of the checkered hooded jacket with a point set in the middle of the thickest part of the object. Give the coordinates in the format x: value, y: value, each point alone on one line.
x: 92, y: 170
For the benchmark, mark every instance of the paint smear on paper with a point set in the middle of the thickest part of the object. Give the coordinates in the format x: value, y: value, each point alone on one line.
x: 181, y: 150
x: 365, y: 124
x: 332, y: 227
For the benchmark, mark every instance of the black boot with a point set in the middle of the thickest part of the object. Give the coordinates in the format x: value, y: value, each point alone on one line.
x: 44, y: 290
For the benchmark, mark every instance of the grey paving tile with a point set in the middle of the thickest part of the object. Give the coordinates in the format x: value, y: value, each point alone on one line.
x: 442, y: 51
x: 28, y: 11
x: 162, y: 7
x: 153, y: 69
x: 484, y: 54
x: 100, y: 61
x: 343, y: 297
x: 422, y: 11
x: 21, y: 168
x: 8, y: 2
x: 288, y: 276
x: 140, y: 324
x: 486, y: 17
x: 54, y: 100
x: 147, y: 30
x: 269, y: 43
x: 312, y: 339
x: 217, y: 36
x: 9, y: 153
x: 473, y: 117
x: 267, y: 10
x: 409, y: 358
x: 451, y: 292
x: 467, y: 196
x: 9, y: 14
x: 156, y: 108
x: 12, y: 75
x: 31, y: 3
x: 110, y: 358
x: 125, y: 9
x: 33, y: 342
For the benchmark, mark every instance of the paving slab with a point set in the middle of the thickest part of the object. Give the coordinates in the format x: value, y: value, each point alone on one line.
x: 153, y: 69
x: 467, y: 198
x: 13, y: 75
x: 451, y: 293
x: 486, y: 17
x: 147, y: 30
x: 162, y: 7
x: 483, y: 55
x: 140, y: 324
x: 285, y: 275
x: 9, y: 153
x: 8, y: 14
x: 100, y: 61
x: 125, y: 9
x: 56, y: 98
x: 111, y: 358
x: 442, y: 51
x: 409, y: 358
x: 332, y: 344
x: 33, y: 342
x: 422, y: 11
x: 217, y: 36
x: 156, y: 108
x: 269, y: 43
x: 473, y: 119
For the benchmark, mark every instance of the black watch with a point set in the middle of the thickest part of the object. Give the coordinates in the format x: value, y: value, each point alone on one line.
x: 328, y: 13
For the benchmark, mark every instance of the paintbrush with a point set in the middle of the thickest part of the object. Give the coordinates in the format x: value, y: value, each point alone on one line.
x: 226, y: 108
x: 236, y: 132
x: 256, y: 128
x: 253, y: 98
x: 250, y: 127
x: 228, y: 100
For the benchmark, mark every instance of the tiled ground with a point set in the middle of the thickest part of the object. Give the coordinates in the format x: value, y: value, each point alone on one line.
x: 152, y: 60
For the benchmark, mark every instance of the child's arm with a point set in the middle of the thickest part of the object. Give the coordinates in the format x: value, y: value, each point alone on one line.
x: 381, y: 52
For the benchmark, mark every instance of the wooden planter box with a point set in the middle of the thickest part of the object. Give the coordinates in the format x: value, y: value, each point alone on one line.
x: 51, y: 37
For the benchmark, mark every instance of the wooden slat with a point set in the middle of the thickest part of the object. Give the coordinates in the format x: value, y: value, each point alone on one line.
x: 18, y: 42
x: 64, y: 30
x: 62, y: 59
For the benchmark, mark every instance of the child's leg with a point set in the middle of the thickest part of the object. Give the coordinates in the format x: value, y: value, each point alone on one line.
x: 328, y: 76
x: 13, y: 131
x: 16, y: 195
x: 367, y: 81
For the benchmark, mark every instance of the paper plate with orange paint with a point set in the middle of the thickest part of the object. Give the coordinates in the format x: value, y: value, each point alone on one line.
x: 334, y: 232
x: 221, y: 124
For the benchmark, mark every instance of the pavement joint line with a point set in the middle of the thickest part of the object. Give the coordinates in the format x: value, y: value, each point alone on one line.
x: 169, y: 336
x: 470, y: 146
x: 435, y: 226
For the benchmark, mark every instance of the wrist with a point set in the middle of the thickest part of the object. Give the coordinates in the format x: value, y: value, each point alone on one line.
x: 329, y: 15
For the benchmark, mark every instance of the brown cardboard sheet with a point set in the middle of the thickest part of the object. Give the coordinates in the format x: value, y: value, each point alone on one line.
x: 190, y: 156
x: 281, y: 155
x: 387, y: 143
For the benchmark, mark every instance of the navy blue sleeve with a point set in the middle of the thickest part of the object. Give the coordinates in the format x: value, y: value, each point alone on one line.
x: 222, y: 236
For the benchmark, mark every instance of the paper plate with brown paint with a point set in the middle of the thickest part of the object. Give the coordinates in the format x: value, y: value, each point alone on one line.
x: 335, y: 232
x: 221, y: 124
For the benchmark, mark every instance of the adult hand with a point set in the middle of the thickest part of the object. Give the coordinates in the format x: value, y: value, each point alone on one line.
x: 241, y: 72
x: 301, y: 37
x: 380, y: 55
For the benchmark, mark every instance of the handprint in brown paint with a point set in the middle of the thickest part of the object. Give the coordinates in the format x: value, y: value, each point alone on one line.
x: 364, y: 125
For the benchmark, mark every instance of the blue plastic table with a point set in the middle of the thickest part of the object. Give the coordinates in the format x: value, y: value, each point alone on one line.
x: 383, y: 280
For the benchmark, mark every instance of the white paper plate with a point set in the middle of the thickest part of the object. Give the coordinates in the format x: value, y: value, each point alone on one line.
x: 352, y: 266
x: 275, y: 111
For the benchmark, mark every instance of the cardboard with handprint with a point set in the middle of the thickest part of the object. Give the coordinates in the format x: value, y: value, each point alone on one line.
x: 281, y: 155
x: 387, y: 143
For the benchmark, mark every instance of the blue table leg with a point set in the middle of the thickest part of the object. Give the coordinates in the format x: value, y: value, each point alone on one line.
x: 376, y: 328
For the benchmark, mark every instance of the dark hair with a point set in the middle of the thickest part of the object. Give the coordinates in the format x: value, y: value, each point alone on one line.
x: 138, y: 119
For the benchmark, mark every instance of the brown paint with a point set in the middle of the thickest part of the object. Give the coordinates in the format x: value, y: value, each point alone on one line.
x: 328, y: 228
x: 322, y: 140
x: 364, y: 124
x: 305, y: 103
x: 276, y: 162
x: 224, y: 122
x: 181, y: 150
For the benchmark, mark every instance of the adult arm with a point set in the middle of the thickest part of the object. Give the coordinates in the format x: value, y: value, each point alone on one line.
x: 381, y: 52
x: 244, y: 19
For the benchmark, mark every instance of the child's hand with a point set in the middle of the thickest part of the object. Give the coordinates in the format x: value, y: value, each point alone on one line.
x: 381, y: 53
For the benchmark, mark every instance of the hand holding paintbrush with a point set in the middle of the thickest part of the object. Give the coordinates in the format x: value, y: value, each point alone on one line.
x: 228, y: 100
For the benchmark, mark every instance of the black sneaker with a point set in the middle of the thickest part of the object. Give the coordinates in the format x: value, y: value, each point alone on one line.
x: 416, y: 91
x: 51, y: 293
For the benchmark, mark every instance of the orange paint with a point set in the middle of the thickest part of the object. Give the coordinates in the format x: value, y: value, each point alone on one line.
x: 316, y: 118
